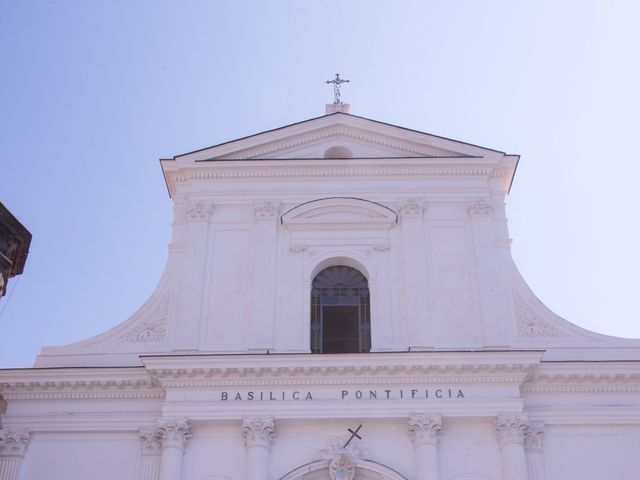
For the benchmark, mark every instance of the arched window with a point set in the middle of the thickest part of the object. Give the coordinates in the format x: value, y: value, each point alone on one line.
x: 340, y: 321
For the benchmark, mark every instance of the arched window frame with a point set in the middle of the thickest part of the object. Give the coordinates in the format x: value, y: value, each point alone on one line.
x: 340, y: 259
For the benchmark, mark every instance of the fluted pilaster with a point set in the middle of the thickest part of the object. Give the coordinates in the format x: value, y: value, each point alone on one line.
x: 511, y: 431
x: 173, y: 435
x: 13, y: 446
x: 259, y: 433
x: 425, y: 430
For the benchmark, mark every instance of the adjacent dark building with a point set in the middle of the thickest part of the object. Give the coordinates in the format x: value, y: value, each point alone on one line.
x: 14, y: 247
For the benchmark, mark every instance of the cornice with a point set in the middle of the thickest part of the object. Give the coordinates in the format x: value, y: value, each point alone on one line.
x: 338, y: 131
x: 91, y: 383
x: 469, y: 367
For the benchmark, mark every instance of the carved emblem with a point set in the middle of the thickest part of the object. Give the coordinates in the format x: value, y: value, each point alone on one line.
x: 341, y: 467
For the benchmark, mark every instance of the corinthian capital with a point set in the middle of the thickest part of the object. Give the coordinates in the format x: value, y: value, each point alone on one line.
x: 412, y: 209
x: 425, y: 429
x: 13, y: 443
x: 258, y: 431
x: 199, y: 211
x: 266, y: 211
x: 480, y: 207
x: 173, y: 433
x: 533, y: 436
x: 511, y: 429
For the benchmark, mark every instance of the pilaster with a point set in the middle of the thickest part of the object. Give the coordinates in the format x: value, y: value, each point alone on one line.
x: 496, y: 319
x: 259, y: 433
x: 151, y: 444
x: 511, y: 431
x: 415, y: 262
x: 425, y: 431
x: 264, y: 277
x: 13, y: 446
x: 173, y: 435
x: 533, y: 446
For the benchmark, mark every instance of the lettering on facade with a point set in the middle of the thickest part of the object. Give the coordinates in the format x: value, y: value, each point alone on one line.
x: 346, y: 395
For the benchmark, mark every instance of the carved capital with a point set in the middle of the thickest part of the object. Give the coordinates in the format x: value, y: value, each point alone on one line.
x: 13, y: 443
x: 480, y: 208
x: 412, y: 209
x: 199, y: 211
x: 425, y: 429
x: 266, y: 211
x: 259, y: 431
x: 151, y: 442
x: 511, y: 429
x: 173, y: 433
x: 534, y: 436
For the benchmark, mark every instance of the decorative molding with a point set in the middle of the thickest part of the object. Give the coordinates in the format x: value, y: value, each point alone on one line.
x: 425, y: 429
x: 218, y: 173
x: 66, y: 389
x: 412, y: 209
x: 199, y: 211
x: 530, y: 324
x: 345, y: 375
x: 173, y: 433
x: 511, y: 429
x: 533, y: 438
x: 266, y: 211
x: 254, y: 153
x: 259, y: 431
x: 13, y: 443
x: 480, y: 208
x: 153, y: 327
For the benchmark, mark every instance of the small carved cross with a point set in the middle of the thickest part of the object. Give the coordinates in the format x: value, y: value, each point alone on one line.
x: 353, y: 434
x: 336, y: 87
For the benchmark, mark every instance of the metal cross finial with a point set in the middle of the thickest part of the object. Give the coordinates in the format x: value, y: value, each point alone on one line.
x: 336, y: 87
x: 353, y: 434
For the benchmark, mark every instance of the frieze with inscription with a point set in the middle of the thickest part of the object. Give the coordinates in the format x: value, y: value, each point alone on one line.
x: 344, y: 395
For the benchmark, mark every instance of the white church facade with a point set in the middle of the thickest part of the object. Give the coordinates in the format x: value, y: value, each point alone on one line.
x: 339, y: 301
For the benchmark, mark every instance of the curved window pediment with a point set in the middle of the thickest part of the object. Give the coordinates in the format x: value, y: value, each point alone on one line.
x: 340, y: 212
x: 340, y: 314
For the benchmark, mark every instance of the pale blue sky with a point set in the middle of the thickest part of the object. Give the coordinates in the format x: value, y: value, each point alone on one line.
x: 93, y: 93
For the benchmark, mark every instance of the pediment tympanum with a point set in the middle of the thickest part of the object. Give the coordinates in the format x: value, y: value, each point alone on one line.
x: 339, y: 212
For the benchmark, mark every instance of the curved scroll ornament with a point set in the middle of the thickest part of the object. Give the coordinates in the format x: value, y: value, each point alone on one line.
x: 342, y: 468
x: 13, y: 443
x: 425, y: 429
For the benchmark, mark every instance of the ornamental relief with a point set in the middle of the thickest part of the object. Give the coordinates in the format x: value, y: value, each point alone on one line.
x: 530, y: 324
x: 152, y: 328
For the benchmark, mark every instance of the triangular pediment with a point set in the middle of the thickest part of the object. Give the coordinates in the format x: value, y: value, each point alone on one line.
x: 338, y: 135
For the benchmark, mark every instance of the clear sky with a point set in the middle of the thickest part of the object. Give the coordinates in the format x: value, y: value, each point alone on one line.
x: 92, y: 94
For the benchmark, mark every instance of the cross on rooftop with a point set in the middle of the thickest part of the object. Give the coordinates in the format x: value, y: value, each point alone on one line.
x: 336, y: 87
